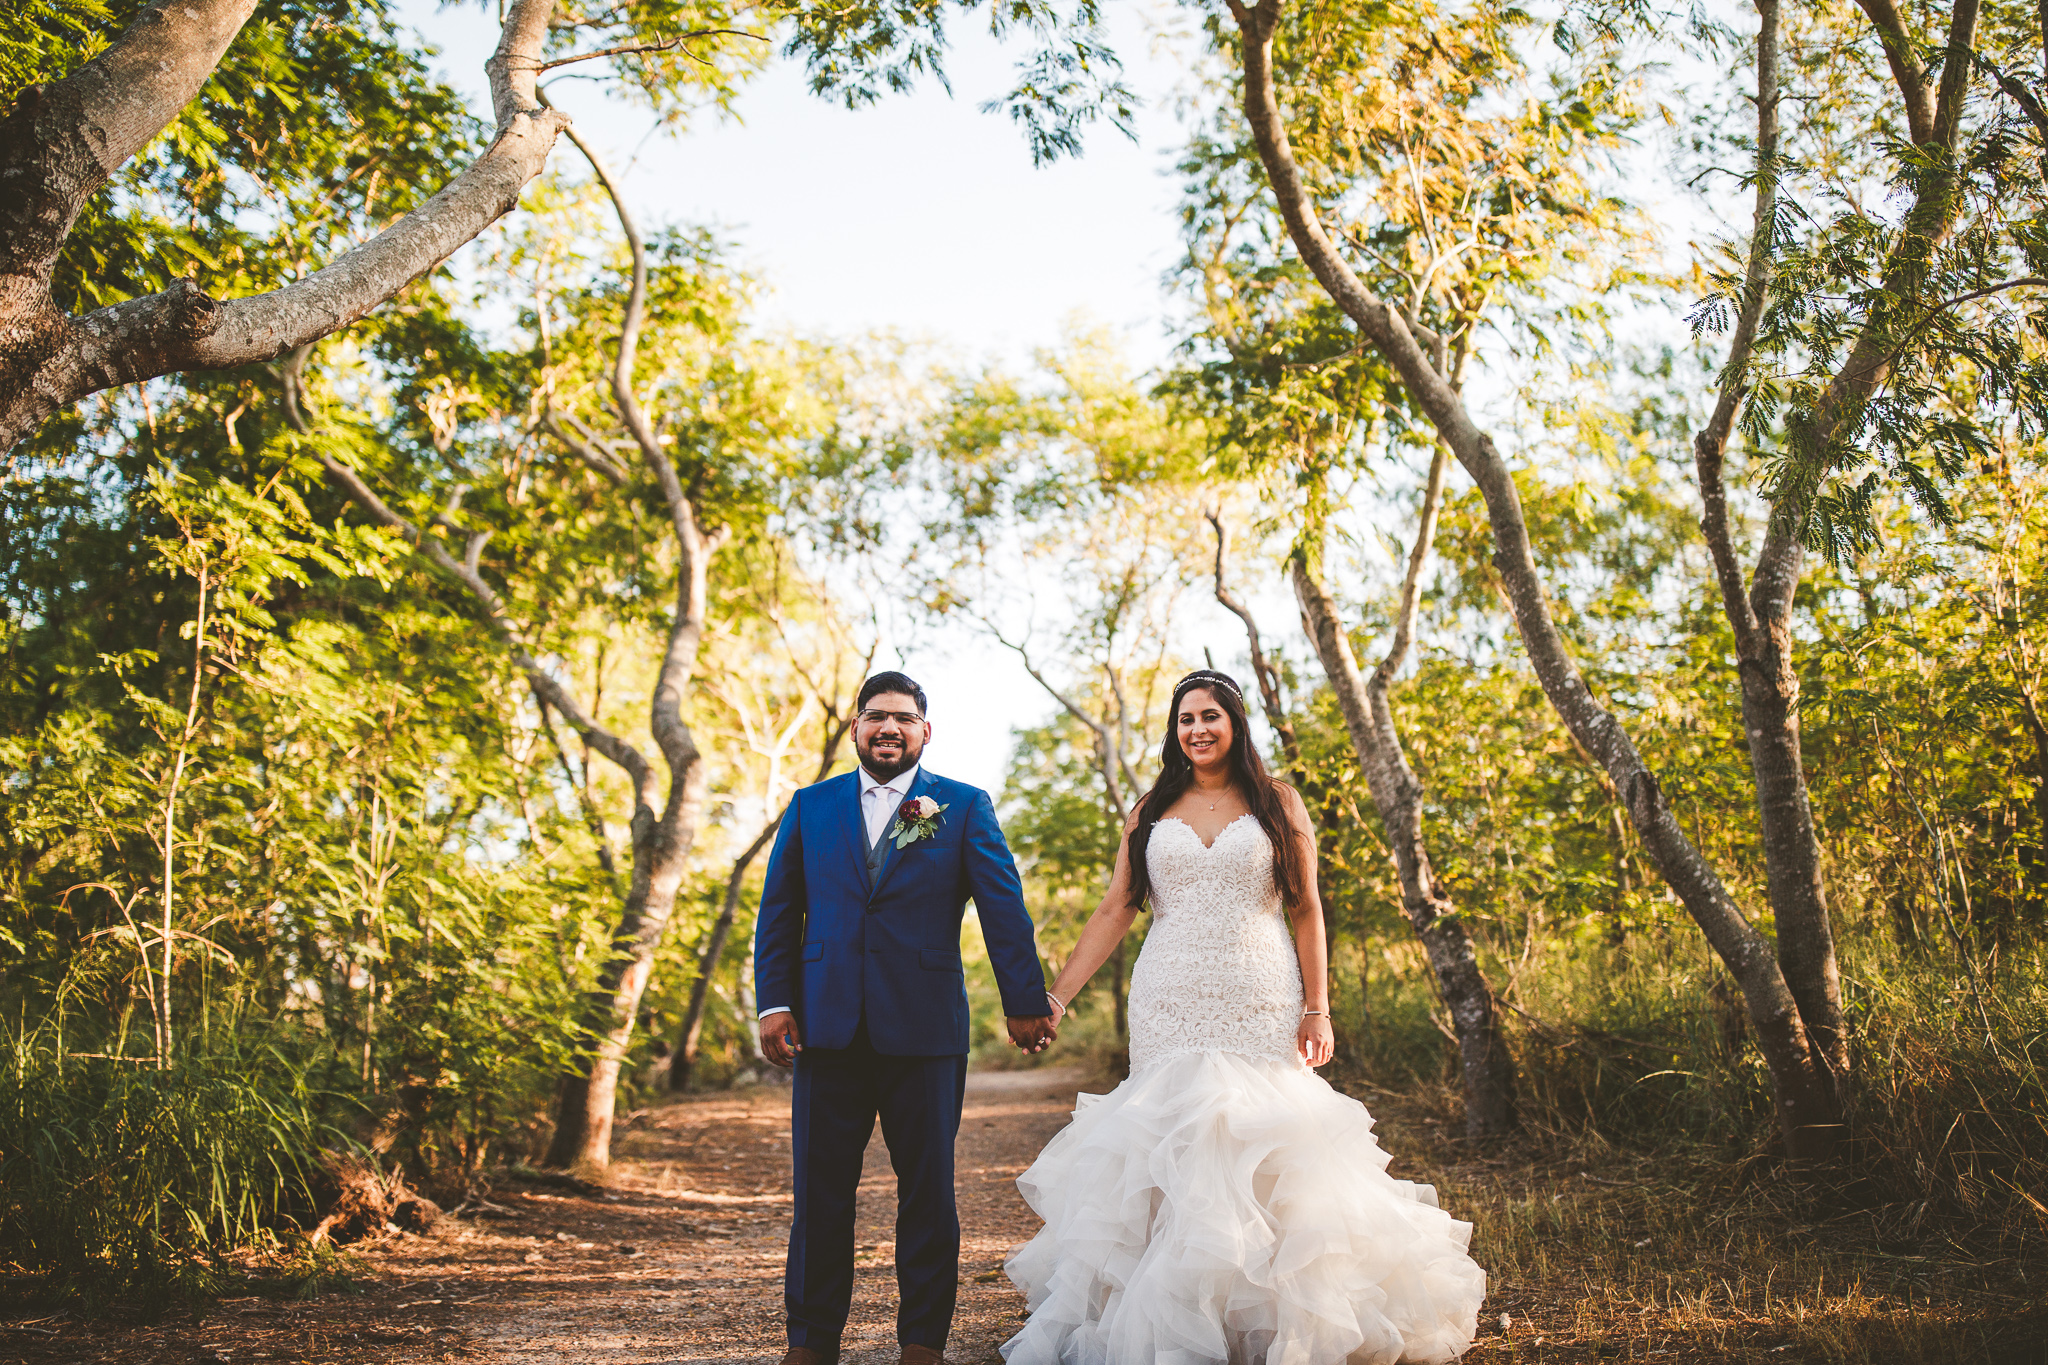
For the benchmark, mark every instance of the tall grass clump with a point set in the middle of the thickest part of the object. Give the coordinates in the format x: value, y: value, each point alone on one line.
x: 1950, y: 1119
x: 124, y: 1182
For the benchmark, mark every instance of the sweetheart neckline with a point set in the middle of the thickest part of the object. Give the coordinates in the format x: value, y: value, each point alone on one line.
x: 1209, y: 844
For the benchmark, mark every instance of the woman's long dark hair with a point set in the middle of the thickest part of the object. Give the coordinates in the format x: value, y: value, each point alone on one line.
x: 1261, y: 792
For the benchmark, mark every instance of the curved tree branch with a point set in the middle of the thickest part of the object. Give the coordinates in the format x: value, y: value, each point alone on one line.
x: 694, y: 546
x: 61, y: 143
x: 545, y: 684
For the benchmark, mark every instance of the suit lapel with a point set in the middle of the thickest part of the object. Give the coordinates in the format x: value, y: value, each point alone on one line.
x: 891, y: 855
x: 854, y: 829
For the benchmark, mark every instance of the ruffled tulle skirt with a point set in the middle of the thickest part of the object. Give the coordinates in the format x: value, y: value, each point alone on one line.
x: 1216, y: 1209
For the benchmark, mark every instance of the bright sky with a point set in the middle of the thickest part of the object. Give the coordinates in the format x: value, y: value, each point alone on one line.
x: 920, y: 215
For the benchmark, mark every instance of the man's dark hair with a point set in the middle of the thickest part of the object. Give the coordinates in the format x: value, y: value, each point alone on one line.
x: 891, y: 681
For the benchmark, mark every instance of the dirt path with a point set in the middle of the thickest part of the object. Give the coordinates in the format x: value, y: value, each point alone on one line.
x: 704, y: 1207
x: 680, y: 1260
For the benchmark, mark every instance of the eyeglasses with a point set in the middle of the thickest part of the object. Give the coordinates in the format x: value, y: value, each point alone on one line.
x: 900, y: 717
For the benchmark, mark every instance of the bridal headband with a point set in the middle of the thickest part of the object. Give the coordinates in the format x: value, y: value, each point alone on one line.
x: 1208, y: 677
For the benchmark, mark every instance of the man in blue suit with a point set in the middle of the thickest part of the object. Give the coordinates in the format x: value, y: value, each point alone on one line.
x: 857, y: 968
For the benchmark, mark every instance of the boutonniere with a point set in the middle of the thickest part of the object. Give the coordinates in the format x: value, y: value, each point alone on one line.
x: 917, y: 818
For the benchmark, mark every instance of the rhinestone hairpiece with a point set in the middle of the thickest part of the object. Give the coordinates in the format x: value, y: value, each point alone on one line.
x: 1204, y: 675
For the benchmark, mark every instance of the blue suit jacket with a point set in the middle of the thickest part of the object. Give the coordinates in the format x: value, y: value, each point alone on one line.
x: 835, y: 945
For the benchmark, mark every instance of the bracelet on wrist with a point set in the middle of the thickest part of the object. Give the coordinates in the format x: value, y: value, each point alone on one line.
x: 1311, y: 1014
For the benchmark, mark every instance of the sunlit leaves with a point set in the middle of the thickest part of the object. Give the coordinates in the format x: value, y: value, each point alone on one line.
x: 1067, y: 79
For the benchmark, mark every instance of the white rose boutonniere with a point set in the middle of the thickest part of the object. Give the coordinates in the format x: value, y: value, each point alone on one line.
x: 917, y: 818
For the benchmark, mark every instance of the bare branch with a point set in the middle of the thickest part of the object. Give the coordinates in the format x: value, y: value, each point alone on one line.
x: 583, y: 445
x: 1263, y: 671
x: 694, y: 547
x: 665, y: 45
x: 1411, y: 582
x: 1108, y: 750
x: 544, y: 683
x: 1711, y: 444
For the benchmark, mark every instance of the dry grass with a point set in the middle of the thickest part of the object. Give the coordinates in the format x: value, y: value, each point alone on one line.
x: 1599, y: 1254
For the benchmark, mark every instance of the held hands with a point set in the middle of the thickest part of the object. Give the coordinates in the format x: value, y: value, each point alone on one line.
x: 1314, y: 1040
x: 779, y: 1041
x: 1033, y: 1033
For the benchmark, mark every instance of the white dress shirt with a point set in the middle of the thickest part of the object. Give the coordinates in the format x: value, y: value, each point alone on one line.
x: 878, y: 803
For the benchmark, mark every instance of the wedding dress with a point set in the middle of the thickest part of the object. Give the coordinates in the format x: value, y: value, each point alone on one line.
x: 1225, y: 1206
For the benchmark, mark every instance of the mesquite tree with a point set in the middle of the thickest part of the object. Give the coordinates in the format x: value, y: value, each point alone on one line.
x: 1486, y: 1060
x: 1865, y: 394
x: 1290, y: 399
x: 633, y: 459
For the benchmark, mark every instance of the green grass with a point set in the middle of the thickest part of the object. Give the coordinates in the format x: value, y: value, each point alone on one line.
x: 123, y: 1182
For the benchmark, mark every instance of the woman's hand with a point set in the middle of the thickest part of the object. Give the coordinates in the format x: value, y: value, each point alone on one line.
x: 1314, y: 1040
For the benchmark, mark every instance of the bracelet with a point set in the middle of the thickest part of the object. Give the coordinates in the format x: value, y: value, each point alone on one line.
x: 1056, y: 1002
x: 1308, y: 1014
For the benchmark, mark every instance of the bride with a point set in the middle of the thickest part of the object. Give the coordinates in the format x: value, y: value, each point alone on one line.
x: 1225, y: 1206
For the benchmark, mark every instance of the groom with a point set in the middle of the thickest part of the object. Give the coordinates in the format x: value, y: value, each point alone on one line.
x: 857, y: 966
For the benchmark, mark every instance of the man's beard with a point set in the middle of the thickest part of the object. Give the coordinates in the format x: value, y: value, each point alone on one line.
x: 906, y: 758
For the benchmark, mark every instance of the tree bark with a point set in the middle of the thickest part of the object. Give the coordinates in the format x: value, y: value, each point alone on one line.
x: 683, y: 1061
x: 1804, y: 1105
x: 1487, y: 1062
x: 661, y: 844
x: 62, y: 142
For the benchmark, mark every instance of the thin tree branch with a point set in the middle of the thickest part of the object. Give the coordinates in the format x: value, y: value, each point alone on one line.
x: 1263, y: 672
x: 1711, y: 444
x: 583, y: 445
x: 544, y: 683
x: 1906, y: 71
x: 665, y: 45
x: 1411, y: 582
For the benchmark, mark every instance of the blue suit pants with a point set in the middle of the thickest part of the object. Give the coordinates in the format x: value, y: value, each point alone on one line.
x: 838, y: 1095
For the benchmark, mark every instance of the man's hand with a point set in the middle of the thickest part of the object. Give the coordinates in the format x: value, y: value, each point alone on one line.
x: 779, y: 1041
x: 1033, y: 1033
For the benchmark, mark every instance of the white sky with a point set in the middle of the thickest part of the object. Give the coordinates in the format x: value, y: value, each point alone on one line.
x: 920, y: 215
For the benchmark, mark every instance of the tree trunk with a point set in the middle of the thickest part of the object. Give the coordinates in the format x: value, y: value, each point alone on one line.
x: 588, y: 1096
x: 1796, y: 882
x: 1805, y: 1105
x: 1762, y: 624
x: 1487, y: 1063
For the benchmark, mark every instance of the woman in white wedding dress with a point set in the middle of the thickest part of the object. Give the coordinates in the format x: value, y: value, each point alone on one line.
x: 1225, y: 1206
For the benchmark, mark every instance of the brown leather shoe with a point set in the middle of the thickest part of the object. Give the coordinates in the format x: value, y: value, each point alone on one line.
x: 920, y: 1355
x: 804, y: 1355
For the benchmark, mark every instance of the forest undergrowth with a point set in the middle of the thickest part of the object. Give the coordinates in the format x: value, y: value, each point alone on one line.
x: 1644, y: 1205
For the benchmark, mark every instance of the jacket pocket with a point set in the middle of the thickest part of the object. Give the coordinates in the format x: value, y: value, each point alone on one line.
x: 939, y: 960
x: 814, y: 952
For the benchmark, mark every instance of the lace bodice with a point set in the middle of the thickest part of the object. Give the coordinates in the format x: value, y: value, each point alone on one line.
x: 1218, y: 972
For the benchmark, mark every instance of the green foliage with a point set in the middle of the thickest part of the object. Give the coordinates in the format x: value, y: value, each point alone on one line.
x: 42, y: 39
